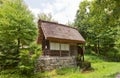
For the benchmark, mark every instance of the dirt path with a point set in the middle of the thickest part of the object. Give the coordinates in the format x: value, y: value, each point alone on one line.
x: 118, y: 76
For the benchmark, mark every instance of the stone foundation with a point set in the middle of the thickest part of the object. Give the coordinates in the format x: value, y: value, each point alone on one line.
x: 46, y: 63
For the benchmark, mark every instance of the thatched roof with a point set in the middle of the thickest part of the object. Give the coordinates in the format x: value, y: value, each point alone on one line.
x: 59, y: 32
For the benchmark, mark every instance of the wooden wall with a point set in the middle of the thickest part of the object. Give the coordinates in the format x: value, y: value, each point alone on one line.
x: 73, y: 50
x: 57, y: 53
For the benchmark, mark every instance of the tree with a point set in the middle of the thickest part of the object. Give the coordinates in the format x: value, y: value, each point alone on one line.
x: 98, y: 20
x: 71, y: 24
x: 45, y: 17
x: 17, y: 30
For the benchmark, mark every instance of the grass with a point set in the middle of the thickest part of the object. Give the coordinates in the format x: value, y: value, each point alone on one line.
x: 101, y: 69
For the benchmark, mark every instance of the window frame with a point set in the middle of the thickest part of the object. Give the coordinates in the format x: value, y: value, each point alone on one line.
x: 59, y: 46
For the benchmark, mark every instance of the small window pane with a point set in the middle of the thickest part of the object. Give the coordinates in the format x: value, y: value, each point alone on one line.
x: 54, y: 46
x: 65, y: 47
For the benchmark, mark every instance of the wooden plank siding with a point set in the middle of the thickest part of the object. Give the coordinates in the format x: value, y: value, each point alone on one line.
x: 57, y: 53
x: 46, y: 50
x: 73, y: 49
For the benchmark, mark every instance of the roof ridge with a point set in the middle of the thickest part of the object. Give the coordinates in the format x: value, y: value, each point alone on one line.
x: 57, y: 23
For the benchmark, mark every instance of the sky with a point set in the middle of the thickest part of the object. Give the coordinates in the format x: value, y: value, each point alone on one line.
x: 62, y: 11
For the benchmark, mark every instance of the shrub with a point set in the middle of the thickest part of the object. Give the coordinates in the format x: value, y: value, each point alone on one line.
x: 28, y: 58
x: 26, y: 65
x: 9, y: 71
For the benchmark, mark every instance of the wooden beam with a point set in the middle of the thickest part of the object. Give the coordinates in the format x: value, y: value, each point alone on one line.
x: 69, y: 50
x: 60, y: 48
x: 83, y: 51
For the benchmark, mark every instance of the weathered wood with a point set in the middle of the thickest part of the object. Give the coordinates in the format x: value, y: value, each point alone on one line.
x: 64, y: 40
x: 73, y: 50
x: 47, y: 34
x: 83, y: 51
x: 57, y: 53
x: 60, y: 49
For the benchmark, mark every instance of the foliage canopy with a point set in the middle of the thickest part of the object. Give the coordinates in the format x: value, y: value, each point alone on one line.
x: 99, y: 23
x: 17, y: 30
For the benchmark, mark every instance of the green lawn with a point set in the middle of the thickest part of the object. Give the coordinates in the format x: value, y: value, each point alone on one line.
x: 101, y: 69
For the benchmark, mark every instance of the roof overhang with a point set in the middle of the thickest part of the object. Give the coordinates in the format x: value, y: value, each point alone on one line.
x: 65, y: 40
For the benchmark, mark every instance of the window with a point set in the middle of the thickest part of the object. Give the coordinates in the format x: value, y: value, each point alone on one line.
x: 65, y: 47
x: 57, y: 46
x: 54, y: 46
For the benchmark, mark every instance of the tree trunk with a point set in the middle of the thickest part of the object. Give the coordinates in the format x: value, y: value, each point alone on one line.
x: 18, y: 45
x: 95, y: 48
x: 18, y: 42
x: 98, y: 47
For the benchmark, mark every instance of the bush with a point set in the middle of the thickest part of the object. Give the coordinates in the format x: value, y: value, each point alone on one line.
x: 28, y: 58
x: 9, y: 71
x: 26, y: 65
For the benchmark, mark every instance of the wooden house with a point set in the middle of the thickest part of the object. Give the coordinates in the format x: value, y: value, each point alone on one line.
x: 60, y: 40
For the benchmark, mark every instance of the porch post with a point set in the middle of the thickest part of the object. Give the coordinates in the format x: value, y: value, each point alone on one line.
x: 83, y: 50
x: 69, y: 50
x: 69, y: 53
x: 60, y: 48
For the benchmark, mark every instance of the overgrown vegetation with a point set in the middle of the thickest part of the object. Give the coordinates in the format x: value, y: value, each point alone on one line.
x: 101, y: 69
x: 28, y: 58
x: 99, y: 23
x: 18, y: 33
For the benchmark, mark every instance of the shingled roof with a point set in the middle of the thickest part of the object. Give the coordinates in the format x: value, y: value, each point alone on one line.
x: 54, y: 31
